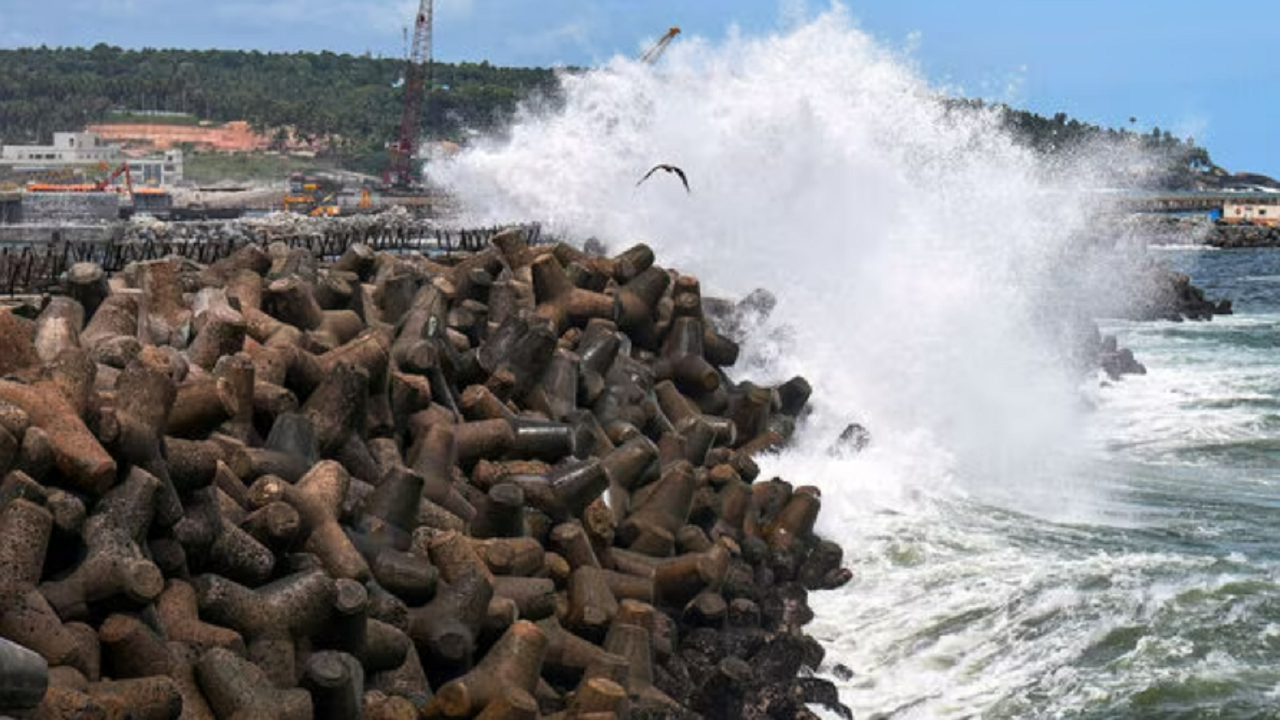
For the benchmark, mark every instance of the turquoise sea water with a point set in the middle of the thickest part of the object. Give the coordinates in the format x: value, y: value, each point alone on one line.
x: 1147, y: 587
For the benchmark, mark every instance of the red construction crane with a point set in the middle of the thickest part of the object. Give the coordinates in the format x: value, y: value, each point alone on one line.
x: 402, y: 173
x: 651, y: 55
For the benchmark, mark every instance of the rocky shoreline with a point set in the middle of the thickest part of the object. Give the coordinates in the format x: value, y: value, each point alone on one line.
x: 1169, y: 295
x: 1243, y: 236
x: 1175, y: 230
x: 512, y: 486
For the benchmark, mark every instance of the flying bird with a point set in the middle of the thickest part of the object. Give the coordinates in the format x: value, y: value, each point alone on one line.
x: 670, y: 169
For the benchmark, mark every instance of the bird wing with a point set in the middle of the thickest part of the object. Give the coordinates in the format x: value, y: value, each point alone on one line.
x: 652, y: 170
x: 683, y: 179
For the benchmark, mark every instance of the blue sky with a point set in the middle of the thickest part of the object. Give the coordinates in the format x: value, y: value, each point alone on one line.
x: 1200, y: 71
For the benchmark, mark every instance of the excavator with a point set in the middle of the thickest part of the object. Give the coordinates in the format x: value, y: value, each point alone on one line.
x: 103, y: 185
x: 109, y: 180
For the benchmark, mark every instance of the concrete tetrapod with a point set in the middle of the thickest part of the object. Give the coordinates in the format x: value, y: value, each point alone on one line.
x: 374, y: 474
x: 515, y: 661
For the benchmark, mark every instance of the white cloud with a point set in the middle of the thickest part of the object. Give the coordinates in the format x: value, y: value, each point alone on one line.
x: 455, y: 8
x: 574, y: 34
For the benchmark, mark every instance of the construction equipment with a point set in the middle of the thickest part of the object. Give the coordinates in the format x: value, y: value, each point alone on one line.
x: 401, y: 173
x: 651, y: 55
x: 314, y: 196
x: 110, y: 179
x: 151, y: 201
x: 103, y: 185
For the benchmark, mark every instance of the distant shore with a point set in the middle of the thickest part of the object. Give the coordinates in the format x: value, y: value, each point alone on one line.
x: 1175, y: 230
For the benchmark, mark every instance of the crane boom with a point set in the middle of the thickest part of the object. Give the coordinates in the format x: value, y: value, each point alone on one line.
x: 123, y: 169
x: 416, y: 77
x: 651, y: 55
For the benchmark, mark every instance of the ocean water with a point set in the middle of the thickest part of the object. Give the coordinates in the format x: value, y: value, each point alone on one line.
x: 1026, y: 541
x: 1150, y: 593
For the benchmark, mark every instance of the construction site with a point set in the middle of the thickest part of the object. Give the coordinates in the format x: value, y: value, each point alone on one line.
x: 115, y: 193
x: 85, y: 182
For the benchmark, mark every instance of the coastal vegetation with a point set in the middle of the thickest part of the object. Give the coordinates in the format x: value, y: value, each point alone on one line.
x: 351, y: 104
x: 210, y: 168
x: 1179, y: 162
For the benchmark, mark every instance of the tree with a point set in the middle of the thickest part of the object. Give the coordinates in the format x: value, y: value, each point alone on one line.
x: 324, y: 94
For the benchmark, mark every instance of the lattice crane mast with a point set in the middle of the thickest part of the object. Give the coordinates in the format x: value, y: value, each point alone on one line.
x: 651, y: 55
x: 416, y: 76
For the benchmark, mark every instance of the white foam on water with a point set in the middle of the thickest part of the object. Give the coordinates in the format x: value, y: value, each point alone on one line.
x: 916, y: 253
x: 911, y: 247
x: 1200, y: 394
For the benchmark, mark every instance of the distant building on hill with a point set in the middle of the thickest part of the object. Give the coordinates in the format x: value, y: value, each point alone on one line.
x: 85, y: 153
x: 68, y: 148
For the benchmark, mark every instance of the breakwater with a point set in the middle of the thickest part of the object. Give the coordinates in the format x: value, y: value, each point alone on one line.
x: 35, y: 260
x: 511, y: 483
x: 1179, y: 230
x: 1242, y: 236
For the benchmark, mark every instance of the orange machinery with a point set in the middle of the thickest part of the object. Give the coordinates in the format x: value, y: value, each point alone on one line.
x: 107, y: 183
x: 314, y: 196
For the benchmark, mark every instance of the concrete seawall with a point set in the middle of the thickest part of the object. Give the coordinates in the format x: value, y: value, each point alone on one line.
x: 38, y: 234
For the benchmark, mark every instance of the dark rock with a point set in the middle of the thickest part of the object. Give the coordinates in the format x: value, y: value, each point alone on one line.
x: 853, y: 439
x: 1121, y: 362
x: 744, y: 643
x: 721, y: 694
x: 779, y: 661
x: 823, y: 558
x: 673, y: 678
x: 818, y: 691
x: 786, y: 607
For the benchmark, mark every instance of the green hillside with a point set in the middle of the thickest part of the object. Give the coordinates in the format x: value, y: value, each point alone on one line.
x: 355, y: 101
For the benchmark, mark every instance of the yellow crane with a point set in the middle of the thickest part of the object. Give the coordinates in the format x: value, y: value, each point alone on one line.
x: 651, y: 55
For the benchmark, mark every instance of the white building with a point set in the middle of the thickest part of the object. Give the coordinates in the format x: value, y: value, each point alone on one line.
x: 157, y: 170
x: 1255, y: 208
x: 68, y: 148
x: 72, y: 149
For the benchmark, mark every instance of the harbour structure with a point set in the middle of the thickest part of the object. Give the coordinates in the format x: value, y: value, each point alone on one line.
x: 1257, y: 207
x: 10, y: 207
